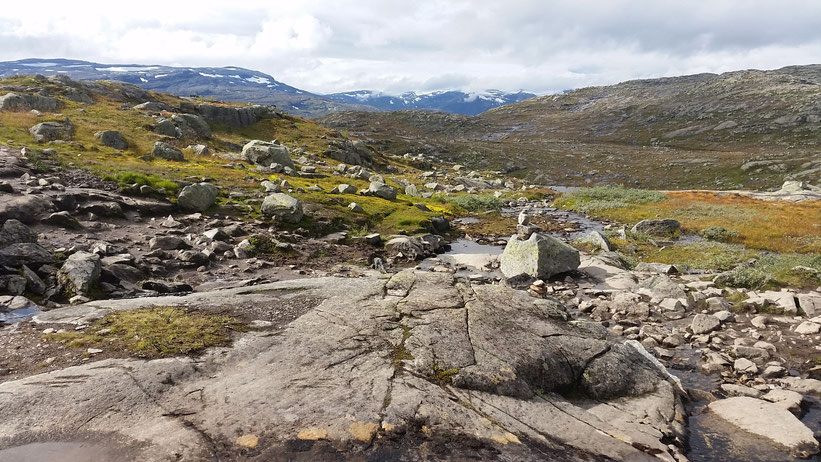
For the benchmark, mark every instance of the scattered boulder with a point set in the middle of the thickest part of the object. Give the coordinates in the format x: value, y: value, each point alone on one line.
x: 704, y: 323
x: 349, y: 152
x: 265, y: 153
x: 52, y: 131
x: 28, y: 209
x: 595, y: 239
x: 270, y: 187
x: 382, y: 190
x: 354, y: 207
x: 29, y: 254
x: 282, y: 207
x: 345, y: 188
x: 152, y: 106
x: 112, y: 139
x: 80, y: 273
x: 413, y: 247
x: 661, y: 287
x: 200, y: 149
x: 665, y: 227
x: 167, y: 152
x: 540, y: 256
x: 15, y: 232
x: 192, y: 126
x: 167, y: 128
x: 810, y: 304
x: 167, y: 243
x: 198, y: 197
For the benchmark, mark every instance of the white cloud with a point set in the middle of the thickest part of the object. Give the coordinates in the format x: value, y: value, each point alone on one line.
x: 339, y: 45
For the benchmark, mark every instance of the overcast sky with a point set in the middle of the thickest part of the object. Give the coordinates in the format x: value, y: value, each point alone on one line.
x: 423, y: 45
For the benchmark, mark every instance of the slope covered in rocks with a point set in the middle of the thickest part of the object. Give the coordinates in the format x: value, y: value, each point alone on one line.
x: 744, y: 129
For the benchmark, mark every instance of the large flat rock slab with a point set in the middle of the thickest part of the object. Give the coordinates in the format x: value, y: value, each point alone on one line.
x: 768, y: 420
x: 418, y: 366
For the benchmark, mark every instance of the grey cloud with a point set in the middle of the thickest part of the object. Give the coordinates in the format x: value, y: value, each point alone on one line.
x: 439, y: 44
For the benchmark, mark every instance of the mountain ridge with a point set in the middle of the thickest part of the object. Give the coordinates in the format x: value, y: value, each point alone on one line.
x: 232, y: 83
x: 749, y: 128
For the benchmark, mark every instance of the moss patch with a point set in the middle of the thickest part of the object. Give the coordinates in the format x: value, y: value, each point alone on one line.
x: 154, y: 332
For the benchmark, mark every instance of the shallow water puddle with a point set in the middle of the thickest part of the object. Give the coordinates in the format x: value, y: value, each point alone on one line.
x: 61, y: 451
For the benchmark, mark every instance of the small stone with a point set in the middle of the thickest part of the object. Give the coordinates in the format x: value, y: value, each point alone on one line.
x: 808, y: 328
x: 704, y: 323
x: 745, y: 366
x: 248, y: 441
x: 94, y: 351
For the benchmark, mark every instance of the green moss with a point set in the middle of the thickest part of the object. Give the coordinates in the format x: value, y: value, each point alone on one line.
x: 154, y: 332
x: 155, y: 181
x: 443, y: 376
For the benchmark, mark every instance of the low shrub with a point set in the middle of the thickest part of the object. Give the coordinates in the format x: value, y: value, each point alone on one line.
x: 477, y: 203
x: 719, y: 234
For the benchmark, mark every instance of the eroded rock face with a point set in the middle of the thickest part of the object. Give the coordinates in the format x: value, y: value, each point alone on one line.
x: 18, y: 102
x: 232, y: 116
x: 372, y: 365
x: 540, y: 256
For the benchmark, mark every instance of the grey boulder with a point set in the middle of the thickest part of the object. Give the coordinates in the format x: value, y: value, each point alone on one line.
x: 704, y: 323
x: 192, y: 126
x: 167, y: 152
x: 29, y: 254
x: 80, y: 273
x: 282, y: 207
x: 540, y: 256
x: 15, y: 232
x: 167, y: 128
x: 112, y: 139
x: 382, y: 190
x: 198, y: 197
x: 265, y: 153
x: 664, y: 227
x: 52, y: 131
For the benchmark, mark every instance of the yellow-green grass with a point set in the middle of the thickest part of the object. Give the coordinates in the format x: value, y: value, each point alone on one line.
x: 154, y: 332
x: 767, y: 225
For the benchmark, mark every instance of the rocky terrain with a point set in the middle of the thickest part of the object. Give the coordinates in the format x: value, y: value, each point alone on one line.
x: 199, y: 281
x: 738, y: 130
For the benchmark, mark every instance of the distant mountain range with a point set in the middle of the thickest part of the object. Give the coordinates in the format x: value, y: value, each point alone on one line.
x: 456, y: 102
x: 245, y: 85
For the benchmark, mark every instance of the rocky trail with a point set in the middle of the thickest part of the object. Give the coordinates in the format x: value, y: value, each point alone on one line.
x: 498, y: 348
